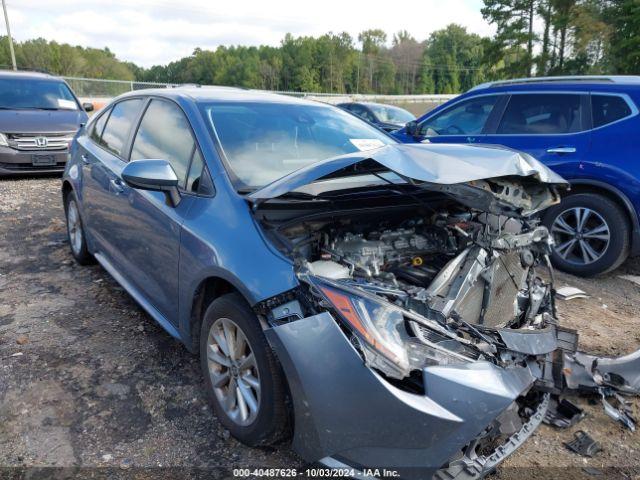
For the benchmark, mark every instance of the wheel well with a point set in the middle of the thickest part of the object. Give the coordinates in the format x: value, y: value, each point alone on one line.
x: 613, y: 196
x: 208, y: 290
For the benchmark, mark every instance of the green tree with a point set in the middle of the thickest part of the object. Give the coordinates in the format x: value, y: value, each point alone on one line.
x: 623, y: 17
x: 514, y: 20
x: 453, y: 60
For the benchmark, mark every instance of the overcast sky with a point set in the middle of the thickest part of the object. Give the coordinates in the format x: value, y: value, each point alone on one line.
x: 150, y: 32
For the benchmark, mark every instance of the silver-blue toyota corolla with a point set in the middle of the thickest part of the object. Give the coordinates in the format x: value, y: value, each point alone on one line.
x: 380, y: 302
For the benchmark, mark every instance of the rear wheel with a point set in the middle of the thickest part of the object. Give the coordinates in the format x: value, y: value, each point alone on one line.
x: 591, y: 234
x: 75, y: 231
x: 243, y: 379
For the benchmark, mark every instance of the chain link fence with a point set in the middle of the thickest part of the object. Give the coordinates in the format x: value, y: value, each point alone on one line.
x: 91, y: 87
x: 100, y: 91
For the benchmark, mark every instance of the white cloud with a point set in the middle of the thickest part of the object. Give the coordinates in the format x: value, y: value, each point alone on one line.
x: 158, y: 31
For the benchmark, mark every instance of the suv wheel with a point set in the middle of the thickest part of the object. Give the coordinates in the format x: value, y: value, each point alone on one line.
x: 75, y: 231
x: 243, y: 379
x: 591, y: 234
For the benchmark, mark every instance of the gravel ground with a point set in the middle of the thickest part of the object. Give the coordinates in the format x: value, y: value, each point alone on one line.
x: 90, y: 384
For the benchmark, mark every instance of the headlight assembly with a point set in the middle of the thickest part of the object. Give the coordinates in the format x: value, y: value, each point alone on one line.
x: 381, y: 330
x: 4, y: 142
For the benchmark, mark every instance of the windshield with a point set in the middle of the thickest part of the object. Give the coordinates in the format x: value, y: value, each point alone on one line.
x: 389, y: 114
x: 265, y: 141
x: 40, y: 94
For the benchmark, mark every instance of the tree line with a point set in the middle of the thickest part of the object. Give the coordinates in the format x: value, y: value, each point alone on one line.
x: 533, y: 38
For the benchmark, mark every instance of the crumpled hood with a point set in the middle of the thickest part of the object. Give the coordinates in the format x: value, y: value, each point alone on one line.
x: 439, y: 164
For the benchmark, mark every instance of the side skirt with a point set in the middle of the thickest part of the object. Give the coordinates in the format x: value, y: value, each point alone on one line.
x: 138, y: 297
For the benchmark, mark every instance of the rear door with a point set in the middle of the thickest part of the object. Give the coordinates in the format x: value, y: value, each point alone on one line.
x: 148, y: 227
x: 104, y: 198
x: 463, y: 122
x: 552, y: 127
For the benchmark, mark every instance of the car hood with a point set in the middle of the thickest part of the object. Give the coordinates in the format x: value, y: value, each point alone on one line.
x: 41, y: 121
x: 440, y: 166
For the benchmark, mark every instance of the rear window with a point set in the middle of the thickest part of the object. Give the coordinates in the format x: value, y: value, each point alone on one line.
x: 608, y: 109
x: 542, y: 114
x: 98, y: 126
x: 116, y: 132
x: 391, y: 114
x: 24, y: 93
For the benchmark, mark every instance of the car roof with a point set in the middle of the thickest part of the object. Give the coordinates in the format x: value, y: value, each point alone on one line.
x: 369, y: 104
x: 221, y: 94
x: 577, y: 82
x: 26, y: 75
x: 374, y: 104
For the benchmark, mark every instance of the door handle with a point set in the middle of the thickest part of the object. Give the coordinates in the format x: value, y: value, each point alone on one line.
x: 116, y: 186
x: 562, y: 150
x: 85, y: 158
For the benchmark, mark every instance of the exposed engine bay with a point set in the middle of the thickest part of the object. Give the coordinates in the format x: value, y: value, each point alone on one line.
x: 440, y: 279
x: 415, y: 266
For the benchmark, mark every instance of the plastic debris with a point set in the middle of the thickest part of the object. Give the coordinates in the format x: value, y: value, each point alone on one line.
x: 583, y: 444
x: 570, y: 293
x: 631, y: 278
x: 563, y: 413
x: 621, y: 413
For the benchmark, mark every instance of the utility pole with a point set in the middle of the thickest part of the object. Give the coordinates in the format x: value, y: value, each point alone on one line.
x: 6, y: 19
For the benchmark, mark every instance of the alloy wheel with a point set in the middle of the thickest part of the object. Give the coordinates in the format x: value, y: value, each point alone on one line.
x: 74, y: 228
x: 233, y: 371
x: 581, y: 235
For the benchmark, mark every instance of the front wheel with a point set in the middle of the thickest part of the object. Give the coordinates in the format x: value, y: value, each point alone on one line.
x: 243, y: 379
x: 591, y: 234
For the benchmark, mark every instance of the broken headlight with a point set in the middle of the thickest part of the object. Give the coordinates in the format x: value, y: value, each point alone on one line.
x: 381, y: 332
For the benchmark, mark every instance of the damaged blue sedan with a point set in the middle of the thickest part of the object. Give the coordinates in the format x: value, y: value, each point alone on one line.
x: 385, y: 305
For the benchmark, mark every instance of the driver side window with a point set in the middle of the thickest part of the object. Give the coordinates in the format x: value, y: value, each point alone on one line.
x: 465, y: 118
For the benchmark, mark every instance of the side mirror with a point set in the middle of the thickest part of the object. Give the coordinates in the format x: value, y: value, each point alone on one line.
x: 88, y: 107
x: 412, y: 128
x: 156, y: 175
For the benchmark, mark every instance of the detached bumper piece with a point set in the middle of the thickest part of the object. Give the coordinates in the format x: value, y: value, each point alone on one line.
x: 583, y: 444
x: 610, y: 377
x: 563, y: 413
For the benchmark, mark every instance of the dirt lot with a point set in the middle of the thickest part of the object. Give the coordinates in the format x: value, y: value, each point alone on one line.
x: 89, y: 380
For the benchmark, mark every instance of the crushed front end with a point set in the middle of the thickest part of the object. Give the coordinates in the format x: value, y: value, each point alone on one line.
x: 423, y: 337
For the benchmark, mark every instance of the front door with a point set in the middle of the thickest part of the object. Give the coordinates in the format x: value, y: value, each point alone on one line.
x: 463, y: 122
x: 150, y: 226
x: 552, y: 127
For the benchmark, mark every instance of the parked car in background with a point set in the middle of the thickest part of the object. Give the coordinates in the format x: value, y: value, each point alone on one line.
x: 386, y: 117
x: 585, y: 129
x: 39, y: 115
x: 336, y: 284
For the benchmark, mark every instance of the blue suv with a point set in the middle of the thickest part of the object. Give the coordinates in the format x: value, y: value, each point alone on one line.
x: 584, y: 128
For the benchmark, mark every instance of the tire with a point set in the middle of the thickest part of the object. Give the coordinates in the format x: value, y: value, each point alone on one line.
x: 267, y: 425
x: 75, y: 231
x: 600, y: 246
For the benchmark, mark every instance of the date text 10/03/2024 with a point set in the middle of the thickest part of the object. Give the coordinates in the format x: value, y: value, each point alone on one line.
x: 314, y: 472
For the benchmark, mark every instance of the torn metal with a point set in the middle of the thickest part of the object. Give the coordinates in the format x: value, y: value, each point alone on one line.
x: 422, y: 310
